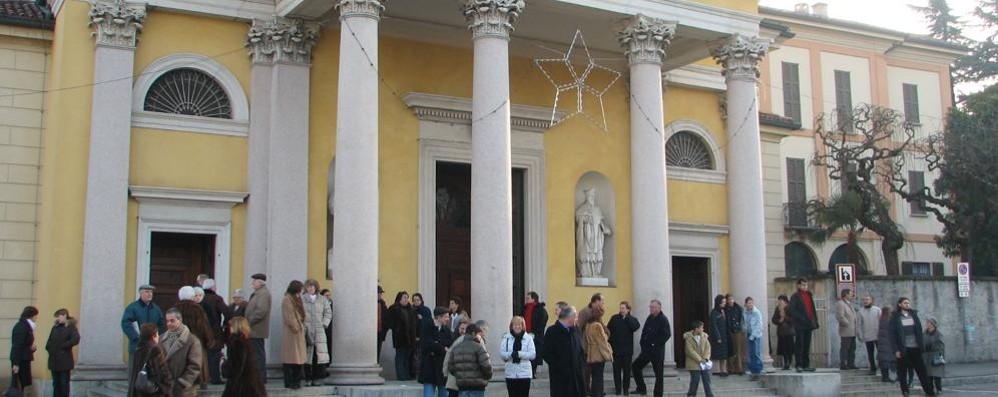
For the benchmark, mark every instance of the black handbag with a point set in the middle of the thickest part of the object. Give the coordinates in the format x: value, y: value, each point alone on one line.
x: 143, y: 383
x: 14, y: 390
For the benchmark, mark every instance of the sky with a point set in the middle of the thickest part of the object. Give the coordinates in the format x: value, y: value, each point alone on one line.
x: 902, y: 18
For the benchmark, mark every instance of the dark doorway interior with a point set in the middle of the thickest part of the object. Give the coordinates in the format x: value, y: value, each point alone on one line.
x: 453, y: 246
x: 175, y: 260
x: 691, y: 297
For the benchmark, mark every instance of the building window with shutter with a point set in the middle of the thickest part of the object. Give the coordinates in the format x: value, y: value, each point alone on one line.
x: 917, y: 269
x: 843, y: 100
x: 791, y: 91
x: 910, y: 92
x: 796, y: 211
x: 916, y: 183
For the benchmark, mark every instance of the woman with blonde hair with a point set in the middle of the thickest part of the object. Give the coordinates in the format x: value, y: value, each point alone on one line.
x: 517, y: 350
x: 598, y: 350
x: 293, y: 353
x: 239, y: 369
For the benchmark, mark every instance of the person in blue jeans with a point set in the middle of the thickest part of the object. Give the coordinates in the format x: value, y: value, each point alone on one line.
x: 752, y: 322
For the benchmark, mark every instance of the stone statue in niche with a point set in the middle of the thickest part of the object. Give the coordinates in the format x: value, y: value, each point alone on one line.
x: 329, y: 237
x: 591, y: 231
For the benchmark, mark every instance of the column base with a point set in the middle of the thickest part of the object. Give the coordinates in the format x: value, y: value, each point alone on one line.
x: 355, y: 375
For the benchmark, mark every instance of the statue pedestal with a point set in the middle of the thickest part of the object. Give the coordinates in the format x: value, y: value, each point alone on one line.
x: 592, y: 281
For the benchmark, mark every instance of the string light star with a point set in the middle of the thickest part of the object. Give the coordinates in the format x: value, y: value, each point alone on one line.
x: 581, y: 82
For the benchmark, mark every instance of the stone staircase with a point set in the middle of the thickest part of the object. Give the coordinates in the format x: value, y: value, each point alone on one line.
x: 861, y: 383
x: 675, y: 386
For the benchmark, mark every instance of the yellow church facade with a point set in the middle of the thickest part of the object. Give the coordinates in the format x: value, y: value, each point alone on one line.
x: 423, y: 146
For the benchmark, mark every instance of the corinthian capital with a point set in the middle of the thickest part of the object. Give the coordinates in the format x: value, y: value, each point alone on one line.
x: 644, y: 39
x: 282, y: 40
x: 492, y: 17
x: 116, y: 22
x: 739, y: 56
x: 360, y: 8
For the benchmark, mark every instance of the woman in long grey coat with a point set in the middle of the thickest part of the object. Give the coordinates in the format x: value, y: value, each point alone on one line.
x: 933, y: 340
x: 318, y: 314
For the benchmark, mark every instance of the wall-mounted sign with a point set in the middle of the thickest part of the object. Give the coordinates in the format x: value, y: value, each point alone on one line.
x: 845, y: 278
x: 963, y: 279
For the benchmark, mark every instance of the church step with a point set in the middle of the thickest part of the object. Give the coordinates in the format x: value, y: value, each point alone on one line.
x: 274, y: 389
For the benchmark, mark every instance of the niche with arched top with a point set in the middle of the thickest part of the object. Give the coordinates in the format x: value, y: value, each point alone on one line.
x: 595, y: 231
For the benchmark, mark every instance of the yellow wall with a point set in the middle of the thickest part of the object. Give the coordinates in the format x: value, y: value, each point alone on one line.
x: 64, y: 167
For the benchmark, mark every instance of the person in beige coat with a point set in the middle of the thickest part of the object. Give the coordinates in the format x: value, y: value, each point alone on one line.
x: 318, y: 315
x: 846, y: 316
x: 184, y: 355
x: 293, y: 352
x: 598, y: 350
x: 258, y: 314
x: 697, y: 358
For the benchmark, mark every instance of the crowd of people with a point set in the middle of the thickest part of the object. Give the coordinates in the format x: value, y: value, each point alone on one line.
x: 894, y: 338
x: 202, y: 340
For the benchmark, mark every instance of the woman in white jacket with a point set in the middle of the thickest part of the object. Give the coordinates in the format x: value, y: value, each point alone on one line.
x: 517, y: 349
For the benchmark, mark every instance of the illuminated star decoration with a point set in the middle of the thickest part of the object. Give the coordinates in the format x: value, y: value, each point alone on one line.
x: 579, y: 82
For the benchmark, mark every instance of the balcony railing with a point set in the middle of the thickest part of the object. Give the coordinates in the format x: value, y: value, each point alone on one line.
x: 796, y: 217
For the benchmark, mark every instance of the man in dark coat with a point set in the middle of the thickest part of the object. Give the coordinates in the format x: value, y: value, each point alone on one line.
x: 535, y: 314
x: 653, y: 337
x: 563, y: 353
x: 434, y: 341
x: 805, y: 320
x: 218, y: 316
x: 622, y: 327
x: 905, y: 330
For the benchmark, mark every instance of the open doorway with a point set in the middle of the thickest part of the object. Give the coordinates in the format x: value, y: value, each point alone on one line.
x: 453, y: 239
x: 175, y: 260
x: 691, y: 298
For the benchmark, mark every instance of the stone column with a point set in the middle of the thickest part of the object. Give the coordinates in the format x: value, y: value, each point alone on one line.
x: 644, y: 40
x: 739, y: 57
x: 282, y: 47
x: 491, y: 22
x: 354, y: 264
x: 116, y: 27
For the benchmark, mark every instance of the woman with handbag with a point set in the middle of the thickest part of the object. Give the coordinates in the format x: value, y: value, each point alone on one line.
x: 22, y: 348
x: 239, y: 368
x: 152, y: 374
x: 598, y: 350
x: 934, y: 354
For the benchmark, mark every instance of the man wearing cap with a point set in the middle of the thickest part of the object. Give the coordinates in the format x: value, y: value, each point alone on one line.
x: 218, y: 315
x: 258, y: 315
x: 142, y: 311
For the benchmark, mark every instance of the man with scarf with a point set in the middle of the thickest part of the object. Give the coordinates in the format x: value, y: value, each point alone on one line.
x: 183, y: 355
x: 802, y: 314
x: 535, y: 315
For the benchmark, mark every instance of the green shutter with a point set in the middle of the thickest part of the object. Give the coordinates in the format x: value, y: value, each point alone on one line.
x: 910, y: 93
x: 791, y: 91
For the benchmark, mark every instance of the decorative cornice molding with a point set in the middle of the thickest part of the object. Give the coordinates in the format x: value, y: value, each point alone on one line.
x: 360, y: 8
x: 193, y: 196
x: 701, y: 228
x: 458, y: 110
x: 492, y: 18
x: 644, y: 39
x: 739, y: 56
x: 116, y: 23
x: 282, y: 40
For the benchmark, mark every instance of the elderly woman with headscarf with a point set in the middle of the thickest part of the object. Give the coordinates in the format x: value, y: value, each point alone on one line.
x: 934, y: 354
x: 196, y: 320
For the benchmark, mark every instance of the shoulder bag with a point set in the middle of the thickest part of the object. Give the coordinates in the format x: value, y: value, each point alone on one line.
x: 14, y: 390
x: 143, y: 383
